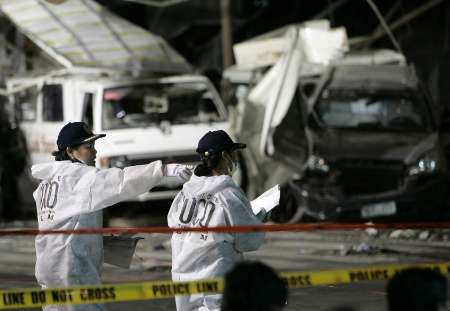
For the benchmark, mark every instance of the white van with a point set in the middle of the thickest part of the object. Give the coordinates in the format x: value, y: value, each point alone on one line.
x: 144, y: 120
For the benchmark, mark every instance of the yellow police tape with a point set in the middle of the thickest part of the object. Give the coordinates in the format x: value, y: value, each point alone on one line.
x: 30, y: 298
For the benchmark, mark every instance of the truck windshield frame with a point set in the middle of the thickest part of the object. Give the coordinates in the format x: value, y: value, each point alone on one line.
x: 150, y: 104
x: 397, y: 111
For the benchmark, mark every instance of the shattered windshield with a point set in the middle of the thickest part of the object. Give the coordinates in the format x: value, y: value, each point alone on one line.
x: 382, y: 111
x: 145, y: 105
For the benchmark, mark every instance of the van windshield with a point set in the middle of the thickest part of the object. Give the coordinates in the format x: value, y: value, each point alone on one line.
x: 377, y: 111
x: 143, y: 105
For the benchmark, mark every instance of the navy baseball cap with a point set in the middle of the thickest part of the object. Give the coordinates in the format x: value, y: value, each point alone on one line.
x: 75, y: 133
x: 217, y: 141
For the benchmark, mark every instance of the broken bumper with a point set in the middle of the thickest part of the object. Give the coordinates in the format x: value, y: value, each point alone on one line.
x: 421, y: 198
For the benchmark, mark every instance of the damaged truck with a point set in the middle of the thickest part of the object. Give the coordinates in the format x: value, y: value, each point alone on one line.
x: 375, y: 149
x: 357, y: 139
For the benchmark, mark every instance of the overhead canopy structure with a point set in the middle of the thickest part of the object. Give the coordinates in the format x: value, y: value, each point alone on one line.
x: 81, y: 33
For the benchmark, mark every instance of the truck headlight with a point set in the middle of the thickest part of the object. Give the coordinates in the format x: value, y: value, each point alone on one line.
x: 317, y: 163
x: 426, y: 164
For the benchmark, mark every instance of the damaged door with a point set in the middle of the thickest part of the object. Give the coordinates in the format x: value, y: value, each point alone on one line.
x: 283, y: 133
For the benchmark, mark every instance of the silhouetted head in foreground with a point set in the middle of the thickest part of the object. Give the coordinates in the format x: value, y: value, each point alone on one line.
x: 253, y: 286
x: 417, y: 289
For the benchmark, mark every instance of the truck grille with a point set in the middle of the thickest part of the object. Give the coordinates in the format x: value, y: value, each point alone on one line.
x: 363, y: 177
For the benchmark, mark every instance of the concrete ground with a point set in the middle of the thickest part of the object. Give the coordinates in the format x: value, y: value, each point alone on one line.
x: 307, y: 251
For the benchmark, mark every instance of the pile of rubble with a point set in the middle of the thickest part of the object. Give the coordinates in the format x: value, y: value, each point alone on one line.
x: 441, y: 235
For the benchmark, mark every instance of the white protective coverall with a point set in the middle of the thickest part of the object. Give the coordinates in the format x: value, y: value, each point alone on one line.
x: 209, y: 202
x: 72, y: 196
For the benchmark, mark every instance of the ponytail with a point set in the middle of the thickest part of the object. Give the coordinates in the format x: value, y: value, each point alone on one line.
x: 209, y: 163
x: 60, y: 155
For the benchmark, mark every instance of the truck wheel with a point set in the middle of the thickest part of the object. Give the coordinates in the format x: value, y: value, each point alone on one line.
x: 290, y: 210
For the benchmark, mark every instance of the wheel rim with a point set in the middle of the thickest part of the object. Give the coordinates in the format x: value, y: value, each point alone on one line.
x: 288, y: 211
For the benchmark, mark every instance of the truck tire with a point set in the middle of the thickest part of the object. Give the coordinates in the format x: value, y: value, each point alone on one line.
x: 290, y: 210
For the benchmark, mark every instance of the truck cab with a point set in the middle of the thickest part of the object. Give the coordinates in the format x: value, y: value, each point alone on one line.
x: 357, y: 140
x: 374, y: 148
x: 144, y: 119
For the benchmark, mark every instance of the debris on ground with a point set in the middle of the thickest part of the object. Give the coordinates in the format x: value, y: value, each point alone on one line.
x: 403, y: 234
x: 424, y: 235
x: 372, y: 231
x: 159, y: 247
x: 362, y: 248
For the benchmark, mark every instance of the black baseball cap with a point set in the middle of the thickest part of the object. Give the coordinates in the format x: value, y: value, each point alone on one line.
x: 75, y: 133
x: 217, y: 141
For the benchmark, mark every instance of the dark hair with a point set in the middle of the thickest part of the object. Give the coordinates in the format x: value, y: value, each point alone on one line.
x: 417, y: 289
x: 61, y: 155
x: 253, y: 286
x: 209, y: 163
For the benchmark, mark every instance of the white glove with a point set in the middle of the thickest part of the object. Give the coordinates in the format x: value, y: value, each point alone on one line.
x: 182, y: 172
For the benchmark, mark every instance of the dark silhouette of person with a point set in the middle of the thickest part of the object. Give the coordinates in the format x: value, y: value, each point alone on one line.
x: 253, y: 286
x: 13, y: 159
x: 417, y: 289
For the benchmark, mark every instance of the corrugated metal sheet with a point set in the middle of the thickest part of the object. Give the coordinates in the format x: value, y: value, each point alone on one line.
x: 81, y: 33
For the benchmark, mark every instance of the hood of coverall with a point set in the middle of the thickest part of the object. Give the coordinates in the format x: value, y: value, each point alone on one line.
x: 46, y: 170
x: 211, y: 184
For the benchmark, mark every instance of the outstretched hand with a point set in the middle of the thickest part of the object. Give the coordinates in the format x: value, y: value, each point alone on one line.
x: 184, y: 172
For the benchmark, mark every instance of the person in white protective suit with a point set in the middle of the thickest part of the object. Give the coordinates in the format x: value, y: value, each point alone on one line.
x: 210, y: 198
x: 71, y: 195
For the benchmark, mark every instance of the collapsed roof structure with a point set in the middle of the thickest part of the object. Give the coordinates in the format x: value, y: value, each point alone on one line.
x: 82, y: 33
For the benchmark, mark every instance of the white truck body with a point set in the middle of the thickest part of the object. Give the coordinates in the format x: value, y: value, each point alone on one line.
x: 154, y: 123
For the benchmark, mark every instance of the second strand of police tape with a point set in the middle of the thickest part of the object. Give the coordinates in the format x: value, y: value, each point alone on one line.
x: 30, y: 298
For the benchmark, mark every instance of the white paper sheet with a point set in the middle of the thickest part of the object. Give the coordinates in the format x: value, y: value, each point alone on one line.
x: 266, y: 201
